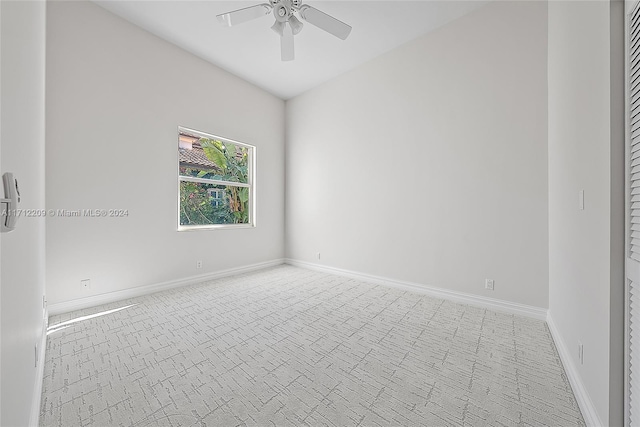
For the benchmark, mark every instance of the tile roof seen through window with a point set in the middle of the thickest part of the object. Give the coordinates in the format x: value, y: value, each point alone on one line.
x: 195, y: 158
x: 191, y: 153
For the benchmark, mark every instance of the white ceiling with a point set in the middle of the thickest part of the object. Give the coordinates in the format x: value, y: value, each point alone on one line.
x: 252, y: 50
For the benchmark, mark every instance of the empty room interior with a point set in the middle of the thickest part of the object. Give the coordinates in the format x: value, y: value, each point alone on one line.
x: 340, y: 213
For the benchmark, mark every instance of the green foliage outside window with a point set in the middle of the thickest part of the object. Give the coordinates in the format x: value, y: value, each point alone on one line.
x: 198, y: 206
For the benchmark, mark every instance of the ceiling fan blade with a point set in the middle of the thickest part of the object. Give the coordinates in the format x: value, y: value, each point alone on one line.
x: 325, y: 22
x: 286, y: 44
x: 243, y: 15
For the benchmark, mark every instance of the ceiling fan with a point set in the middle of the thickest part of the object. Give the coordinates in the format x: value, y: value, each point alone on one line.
x: 287, y: 24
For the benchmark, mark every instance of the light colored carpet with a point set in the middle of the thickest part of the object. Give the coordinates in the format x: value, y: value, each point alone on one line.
x: 289, y: 346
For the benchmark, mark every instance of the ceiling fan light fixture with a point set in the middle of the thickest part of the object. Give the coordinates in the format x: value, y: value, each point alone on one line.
x: 278, y: 27
x: 281, y: 11
x: 296, y: 25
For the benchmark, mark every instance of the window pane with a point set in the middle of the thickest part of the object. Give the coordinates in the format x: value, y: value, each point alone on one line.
x: 206, y: 204
x: 213, y: 159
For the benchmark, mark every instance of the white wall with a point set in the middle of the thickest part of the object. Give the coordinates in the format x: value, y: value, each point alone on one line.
x: 115, y: 96
x: 585, y: 246
x: 429, y: 163
x: 22, y: 263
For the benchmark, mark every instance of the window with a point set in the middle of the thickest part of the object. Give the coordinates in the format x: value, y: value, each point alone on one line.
x: 217, y: 197
x: 215, y: 177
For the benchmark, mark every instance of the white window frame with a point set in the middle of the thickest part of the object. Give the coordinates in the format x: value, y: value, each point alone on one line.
x: 251, y: 159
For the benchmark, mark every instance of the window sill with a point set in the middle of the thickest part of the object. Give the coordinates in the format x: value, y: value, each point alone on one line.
x: 214, y: 227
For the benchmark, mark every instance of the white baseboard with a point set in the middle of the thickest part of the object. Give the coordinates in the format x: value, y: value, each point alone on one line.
x: 475, y: 300
x: 34, y: 416
x: 587, y: 408
x: 78, y: 304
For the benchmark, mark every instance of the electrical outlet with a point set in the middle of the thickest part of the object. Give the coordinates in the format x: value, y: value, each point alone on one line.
x: 318, y: 254
x: 581, y: 200
x: 488, y: 284
x: 580, y: 353
x: 86, y: 284
x: 199, y: 264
